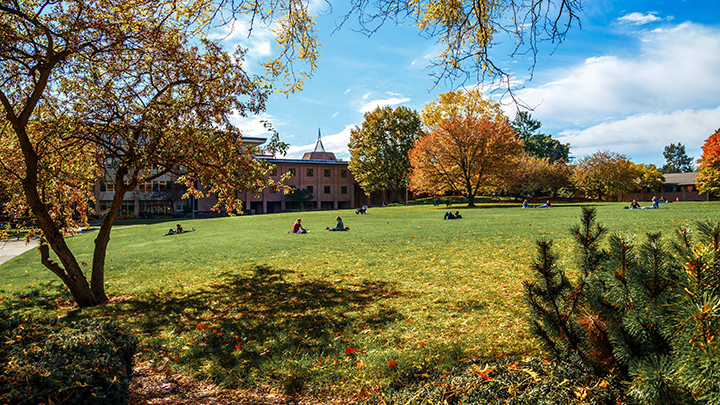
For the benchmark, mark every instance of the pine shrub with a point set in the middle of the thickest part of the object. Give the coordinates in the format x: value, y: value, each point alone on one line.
x: 57, y: 361
x: 645, y: 314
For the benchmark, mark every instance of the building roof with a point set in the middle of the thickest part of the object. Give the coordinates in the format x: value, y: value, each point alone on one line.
x: 319, y: 153
x: 253, y: 140
x: 679, y: 179
x: 304, y: 161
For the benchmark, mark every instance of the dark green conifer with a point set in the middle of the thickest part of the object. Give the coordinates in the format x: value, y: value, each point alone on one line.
x: 647, y: 314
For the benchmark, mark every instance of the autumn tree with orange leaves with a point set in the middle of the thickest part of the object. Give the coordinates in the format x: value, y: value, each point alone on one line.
x: 86, y: 87
x: 708, y: 177
x: 463, y: 155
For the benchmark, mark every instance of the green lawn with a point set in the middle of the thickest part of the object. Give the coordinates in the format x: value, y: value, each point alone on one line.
x: 242, y: 301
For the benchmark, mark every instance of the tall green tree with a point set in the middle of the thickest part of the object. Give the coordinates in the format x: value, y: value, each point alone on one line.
x: 379, y: 149
x: 537, y: 144
x: 677, y: 161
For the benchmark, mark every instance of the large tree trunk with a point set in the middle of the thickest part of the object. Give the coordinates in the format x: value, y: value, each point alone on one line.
x: 70, y: 272
x: 97, y: 281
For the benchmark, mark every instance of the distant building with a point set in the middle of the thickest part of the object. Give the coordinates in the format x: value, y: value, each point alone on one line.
x: 158, y: 197
x: 320, y: 172
x: 676, y: 187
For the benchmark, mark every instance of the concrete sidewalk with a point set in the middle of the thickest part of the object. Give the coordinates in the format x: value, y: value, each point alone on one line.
x: 15, y: 247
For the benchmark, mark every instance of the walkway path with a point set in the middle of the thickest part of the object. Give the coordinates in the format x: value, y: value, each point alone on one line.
x: 15, y: 247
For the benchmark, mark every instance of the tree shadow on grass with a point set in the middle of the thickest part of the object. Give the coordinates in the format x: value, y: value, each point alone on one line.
x: 257, y: 328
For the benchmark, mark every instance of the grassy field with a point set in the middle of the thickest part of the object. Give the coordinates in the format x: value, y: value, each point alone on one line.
x: 243, y: 302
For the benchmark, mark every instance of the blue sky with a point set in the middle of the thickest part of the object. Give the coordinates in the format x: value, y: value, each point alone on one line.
x: 636, y: 77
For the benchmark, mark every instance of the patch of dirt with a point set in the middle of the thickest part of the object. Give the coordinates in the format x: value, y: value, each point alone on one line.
x: 153, y: 385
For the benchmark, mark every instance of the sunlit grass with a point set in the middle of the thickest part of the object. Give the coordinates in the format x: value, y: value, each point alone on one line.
x: 243, y: 302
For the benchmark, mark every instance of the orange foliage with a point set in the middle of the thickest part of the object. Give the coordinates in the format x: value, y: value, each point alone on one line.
x: 463, y: 156
x: 709, y: 169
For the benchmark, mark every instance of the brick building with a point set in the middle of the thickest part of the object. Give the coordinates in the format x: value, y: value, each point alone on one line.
x: 320, y: 172
x: 677, y: 186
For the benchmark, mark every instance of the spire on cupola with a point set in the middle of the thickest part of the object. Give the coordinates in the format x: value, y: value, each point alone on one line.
x: 319, y: 153
x: 318, y: 145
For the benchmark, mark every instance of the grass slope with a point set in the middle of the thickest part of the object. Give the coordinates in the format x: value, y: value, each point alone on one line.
x: 243, y: 302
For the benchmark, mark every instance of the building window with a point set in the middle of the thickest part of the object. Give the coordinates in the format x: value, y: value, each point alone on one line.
x: 343, y: 173
x: 273, y: 189
x: 291, y: 172
x: 327, y: 189
x: 310, y: 189
x: 310, y: 172
x: 343, y: 190
x: 273, y: 171
x: 107, y: 186
x: 326, y: 172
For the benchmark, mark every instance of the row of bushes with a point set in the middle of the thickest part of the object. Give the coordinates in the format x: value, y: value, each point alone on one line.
x: 57, y: 361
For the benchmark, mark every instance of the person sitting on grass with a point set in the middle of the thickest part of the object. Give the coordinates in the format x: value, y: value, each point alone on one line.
x: 546, y: 205
x: 177, y: 231
x: 361, y: 210
x: 634, y: 205
x: 525, y: 204
x: 339, y: 227
x: 654, y: 204
x: 297, y: 227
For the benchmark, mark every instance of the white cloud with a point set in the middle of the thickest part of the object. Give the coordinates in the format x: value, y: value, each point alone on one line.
x: 259, y: 45
x: 674, y: 69
x: 639, y: 18
x: 666, y: 92
x: 336, y: 143
x: 253, y: 126
x: 644, y: 136
x: 373, y: 104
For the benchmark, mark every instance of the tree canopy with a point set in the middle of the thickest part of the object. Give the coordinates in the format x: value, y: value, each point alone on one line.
x: 648, y: 176
x: 379, y: 149
x: 531, y: 175
x: 459, y: 104
x: 466, y: 151
x: 605, y: 173
x: 677, y: 161
x: 467, y: 30
x: 537, y: 144
x: 708, y: 178
x: 87, y: 87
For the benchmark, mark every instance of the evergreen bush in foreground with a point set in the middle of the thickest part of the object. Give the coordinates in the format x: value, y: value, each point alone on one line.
x: 501, y: 381
x: 56, y: 361
x: 647, y: 314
